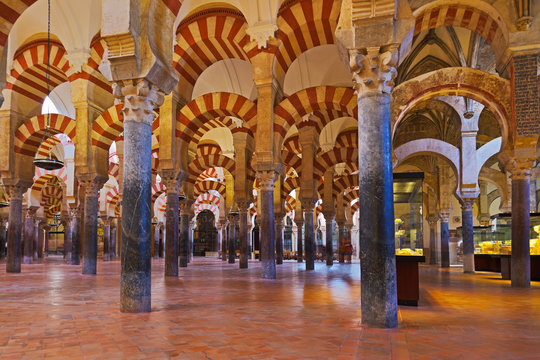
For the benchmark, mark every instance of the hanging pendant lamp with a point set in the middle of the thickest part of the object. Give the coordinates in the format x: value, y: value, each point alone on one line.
x: 47, y: 163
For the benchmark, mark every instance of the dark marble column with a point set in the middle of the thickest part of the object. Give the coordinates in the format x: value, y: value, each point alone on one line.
x: 47, y: 228
x: 299, y: 240
x: 445, y: 243
x: 278, y: 220
x: 377, y: 247
x: 135, y: 279
x: 3, y: 237
x: 76, y: 237
x: 432, y: 220
x: 521, y: 259
x: 41, y: 239
x: 184, y: 232
x: 224, y: 240
x: 267, y: 227
x: 68, y: 239
x: 156, y: 241
x: 329, y: 217
x: 35, y: 245
x: 190, y: 237
x: 171, y: 226
x: 309, y: 240
x: 243, y: 233
x: 13, y: 261
x: 29, y: 231
x: 341, y: 241
x: 112, y: 249
x: 91, y: 206
x: 468, y: 235
x: 106, y: 239
x: 231, y: 241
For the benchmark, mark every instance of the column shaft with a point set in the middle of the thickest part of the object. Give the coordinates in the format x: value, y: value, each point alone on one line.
x: 13, y: 262
x: 266, y: 233
x: 521, y: 259
x: 113, y: 242
x: 3, y: 238
x: 445, y: 244
x: 107, y: 241
x: 468, y: 238
x: 329, y: 241
x: 171, y: 234
x: 279, y: 239
x: 243, y: 235
x: 309, y: 240
x: 91, y: 206
x: 35, y: 245
x: 68, y: 239
x: 232, y: 239
x: 156, y: 241
x: 184, y: 239
x: 341, y: 242
x: 76, y: 240
x: 224, y: 241
x: 28, y: 238
x: 300, y: 250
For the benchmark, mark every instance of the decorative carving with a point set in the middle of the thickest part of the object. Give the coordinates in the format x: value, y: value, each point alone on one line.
x: 172, y: 184
x: 16, y: 191
x: 140, y: 98
x: 92, y: 187
x: 373, y: 71
x: 185, y: 206
x: 520, y: 168
x: 308, y: 204
x: 432, y: 220
x: 267, y: 179
x: 467, y: 204
x: 261, y: 34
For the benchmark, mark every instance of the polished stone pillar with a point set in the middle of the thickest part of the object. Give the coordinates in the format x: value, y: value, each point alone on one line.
x: 309, y: 240
x: 171, y: 225
x: 13, y: 261
x: 106, y: 239
x: 47, y: 228
x: 35, y: 246
x: 278, y: 220
x: 223, y: 240
x: 521, y: 259
x: 3, y: 237
x: 68, y: 239
x: 29, y: 231
x: 140, y: 99
x: 243, y: 233
x: 468, y: 234
x: 373, y: 83
x: 91, y: 207
x: 445, y: 240
x: 113, y: 241
x: 184, y: 233
x: 341, y: 241
x: 432, y: 221
x: 231, y: 241
x: 329, y: 217
x: 41, y: 239
x: 267, y: 227
x: 190, y: 238
x: 76, y: 237
x: 156, y: 241
x: 299, y: 237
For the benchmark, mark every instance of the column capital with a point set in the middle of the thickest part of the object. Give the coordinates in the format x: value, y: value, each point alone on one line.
x: 140, y: 97
x: 308, y: 204
x: 267, y: 178
x: 91, y: 186
x: 185, y: 206
x: 243, y: 205
x: 374, y: 69
x: 432, y: 219
x: 16, y: 189
x: 172, y: 184
x: 329, y: 214
x: 520, y: 168
x: 106, y: 220
x: 67, y: 220
x: 29, y: 212
x: 467, y: 203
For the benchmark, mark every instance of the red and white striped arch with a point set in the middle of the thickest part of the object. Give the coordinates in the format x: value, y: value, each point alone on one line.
x: 112, y: 195
x: 207, y: 37
x: 291, y: 160
x: 201, y: 163
x: 92, y: 73
x: 343, y: 183
x: 158, y: 189
x: 208, y: 185
x: 292, y: 144
x: 333, y: 157
x: 322, y: 118
x: 107, y: 127
x: 348, y: 138
x: 10, y: 10
x: 480, y: 18
x: 302, y: 25
x: 29, y: 71
x: 212, y: 208
x: 114, y: 170
x: 289, y: 185
x: 208, y: 149
x: 28, y: 136
x: 47, y: 174
x: 291, y: 110
x: 211, y: 173
x: 213, y: 110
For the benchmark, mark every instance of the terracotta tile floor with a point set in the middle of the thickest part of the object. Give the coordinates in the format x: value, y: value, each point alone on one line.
x: 216, y: 311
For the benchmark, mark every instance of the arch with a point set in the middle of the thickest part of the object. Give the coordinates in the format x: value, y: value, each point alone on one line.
x: 435, y: 147
x: 201, y: 163
x: 91, y: 71
x: 60, y: 173
x: 213, y: 110
x: 289, y: 185
x: 303, y: 24
x: 481, y: 18
x: 11, y: 11
x: 345, y: 182
x: 487, y: 151
x: 347, y: 138
x: 291, y: 110
x: 158, y: 189
x: 207, y: 37
x: 207, y: 185
x: 28, y: 136
x: 490, y: 90
x: 498, y: 179
x: 212, y: 208
x: 207, y: 198
x: 107, y: 127
x: 333, y: 157
x: 291, y: 160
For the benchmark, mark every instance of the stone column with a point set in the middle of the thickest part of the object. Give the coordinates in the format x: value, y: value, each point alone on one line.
x: 13, y: 261
x: 106, y: 238
x: 232, y: 237
x: 41, y: 238
x: 184, y: 232
x: 223, y: 223
x: 468, y: 234
x: 3, y: 237
x: 432, y: 220
x: 341, y: 241
x: 35, y: 246
x: 113, y: 241
x: 76, y: 237
x: 68, y: 239
x: 171, y: 223
x: 47, y: 228
x: 156, y: 241
x: 29, y: 231
x: 373, y: 77
x: 521, y: 259
x: 91, y: 207
x: 278, y: 219
x: 309, y: 240
x: 445, y: 240
x: 140, y: 98
x: 329, y: 217
x: 243, y: 233
x: 299, y: 237
x: 267, y: 227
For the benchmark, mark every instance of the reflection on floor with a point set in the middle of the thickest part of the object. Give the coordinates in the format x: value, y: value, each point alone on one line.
x: 216, y: 311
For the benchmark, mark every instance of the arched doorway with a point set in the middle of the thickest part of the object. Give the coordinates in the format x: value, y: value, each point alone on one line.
x: 205, y: 237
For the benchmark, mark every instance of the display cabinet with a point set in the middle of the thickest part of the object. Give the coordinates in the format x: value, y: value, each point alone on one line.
x: 408, y: 201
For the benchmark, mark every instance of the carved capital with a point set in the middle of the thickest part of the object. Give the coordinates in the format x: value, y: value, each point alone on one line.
x: 329, y: 215
x: 520, y: 168
x: 140, y: 98
x: 30, y: 212
x: 374, y: 69
x: 185, y: 206
x: 243, y: 205
x: 432, y: 220
x: 16, y: 191
x: 67, y: 220
x: 172, y: 184
x: 267, y: 179
x: 467, y: 204
x: 261, y: 34
x: 308, y: 204
x: 92, y: 187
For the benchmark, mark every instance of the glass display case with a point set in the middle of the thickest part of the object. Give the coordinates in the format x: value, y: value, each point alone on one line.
x: 408, y: 202
x: 497, y: 239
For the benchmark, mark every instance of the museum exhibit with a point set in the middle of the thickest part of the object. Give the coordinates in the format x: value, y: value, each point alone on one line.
x: 269, y: 179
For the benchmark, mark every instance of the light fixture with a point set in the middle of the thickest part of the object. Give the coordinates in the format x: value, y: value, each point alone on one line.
x: 47, y: 163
